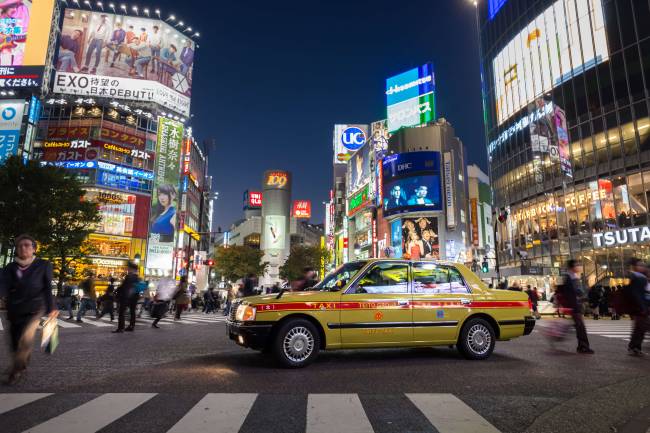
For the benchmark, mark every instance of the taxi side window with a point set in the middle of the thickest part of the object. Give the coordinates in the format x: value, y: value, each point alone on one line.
x: 430, y: 278
x: 384, y: 278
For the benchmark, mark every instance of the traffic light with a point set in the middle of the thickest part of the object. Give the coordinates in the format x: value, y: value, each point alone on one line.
x: 484, y: 266
x: 209, y: 262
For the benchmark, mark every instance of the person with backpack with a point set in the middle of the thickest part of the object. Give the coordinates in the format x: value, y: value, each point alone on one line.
x: 570, y: 295
x: 127, y: 296
x: 637, y: 304
x: 89, y: 299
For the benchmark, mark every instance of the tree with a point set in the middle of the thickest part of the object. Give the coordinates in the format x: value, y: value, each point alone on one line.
x: 236, y: 261
x: 46, y: 202
x: 301, y: 257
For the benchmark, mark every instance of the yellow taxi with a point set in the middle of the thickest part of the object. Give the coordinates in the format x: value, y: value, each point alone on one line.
x: 382, y: 303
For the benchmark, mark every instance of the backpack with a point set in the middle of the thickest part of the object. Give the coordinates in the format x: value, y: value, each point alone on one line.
x: 140, y: 287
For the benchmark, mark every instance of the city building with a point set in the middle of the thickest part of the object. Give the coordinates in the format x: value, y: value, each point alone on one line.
x: 424, y: 194
x: 567, y: 128
x: 480, y: 217
x: 83, y: 91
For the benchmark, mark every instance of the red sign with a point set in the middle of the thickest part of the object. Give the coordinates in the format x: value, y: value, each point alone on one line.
x: 255, y: 199
x: 186, y: 157
x: 302, y: 209
x: 70, y: 154
x: 68, y: 132
x: 473, y: 214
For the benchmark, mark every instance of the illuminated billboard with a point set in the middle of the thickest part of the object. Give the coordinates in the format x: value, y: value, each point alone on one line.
x: 494, y: 6
x: 420, y: 238
x: 252, y: 199
x: 117, y: 211
x: 25, y: 30
x: 548, y: 52
x: 164, y: 203
x: 11, y: 118
x: 301, y: 209
x: 124, y: 57
x: 411, y: 182
x: 410, y: 98
x: 347, y: 140
x: 359, y: 170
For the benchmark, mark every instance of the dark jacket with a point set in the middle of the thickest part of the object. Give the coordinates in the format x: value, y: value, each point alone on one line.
x: 126, y: 290
x: 249, y: 287
x: 569, y: 293
x: 32, y: 292
x: 635, y: 294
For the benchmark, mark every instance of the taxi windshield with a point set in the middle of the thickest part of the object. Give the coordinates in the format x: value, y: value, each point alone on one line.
x: 338, y: 278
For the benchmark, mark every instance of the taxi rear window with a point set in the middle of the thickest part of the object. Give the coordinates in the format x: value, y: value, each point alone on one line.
x: 430, y: 278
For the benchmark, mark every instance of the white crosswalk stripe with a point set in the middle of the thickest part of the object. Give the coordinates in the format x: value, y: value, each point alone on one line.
x: 227, y: 413
x: 619, y: 329
x: 104, y: 409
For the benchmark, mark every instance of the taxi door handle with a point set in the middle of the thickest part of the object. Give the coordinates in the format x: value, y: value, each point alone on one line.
x: 402, y: 302
x: 465, y: 301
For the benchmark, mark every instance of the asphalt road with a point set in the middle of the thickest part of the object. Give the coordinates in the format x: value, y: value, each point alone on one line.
x: 189, y: 377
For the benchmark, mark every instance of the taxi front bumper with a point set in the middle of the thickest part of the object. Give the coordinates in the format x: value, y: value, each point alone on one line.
x: 256, y: 335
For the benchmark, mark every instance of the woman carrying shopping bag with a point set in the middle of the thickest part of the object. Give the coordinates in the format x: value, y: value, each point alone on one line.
x: 28, y: 281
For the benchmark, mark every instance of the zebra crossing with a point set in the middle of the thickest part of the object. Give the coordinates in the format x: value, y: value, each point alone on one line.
x: 89, y: 321
x: 618, y: 329
x: 246, y: 412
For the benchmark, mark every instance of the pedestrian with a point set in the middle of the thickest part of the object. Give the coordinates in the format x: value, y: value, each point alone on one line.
x: 533, y: 296
x: 307, y: 281
x: 570, y: 296
x: 208, y: 300
x: 89, y: 299
x: 248, y: 288
x: 28, y: 283
x: 106, y: 302
x: 595, y: 297
x: 126, y: 295
x: 636, y: 296
x: 181, y: 298
x: 67, y: 300
x: 231, y: 293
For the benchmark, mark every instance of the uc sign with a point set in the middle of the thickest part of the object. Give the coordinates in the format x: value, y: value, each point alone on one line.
x: 353, y: 138
x: 277, y: 179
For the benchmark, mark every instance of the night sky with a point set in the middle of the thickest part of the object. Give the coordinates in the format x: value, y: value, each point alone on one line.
x: 271, y: 79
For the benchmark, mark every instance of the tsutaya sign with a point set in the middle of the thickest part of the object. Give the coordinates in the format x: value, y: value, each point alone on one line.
x: 626, y: 236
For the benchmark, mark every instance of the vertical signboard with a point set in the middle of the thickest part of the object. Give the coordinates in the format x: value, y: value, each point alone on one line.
x: 450, y: 207
x: 347, y: 140
x: 164, y: 203
x: 473, y: 214
x: 11, y: 116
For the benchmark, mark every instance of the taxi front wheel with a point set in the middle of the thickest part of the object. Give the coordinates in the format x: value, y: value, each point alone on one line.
x: 476, y: 339
x: 296, y: 343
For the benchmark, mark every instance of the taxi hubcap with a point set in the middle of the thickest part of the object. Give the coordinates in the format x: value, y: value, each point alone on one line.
x: 298, y: 344
x: 479, y: 339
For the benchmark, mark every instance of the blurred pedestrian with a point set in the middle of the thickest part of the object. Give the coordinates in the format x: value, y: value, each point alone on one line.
x: 570, y: 296
x: 533, y: 296
x: 89, y: 299
x: 67, y: 300
x: 595, y: 297
x: 208, y: 300
x: 181, y: 298
x: 106, y: 302
x: 307, y: 281
x: 127, y: 297
x: 636, y: 296
x: 248, y: 288
x: 28, y: 282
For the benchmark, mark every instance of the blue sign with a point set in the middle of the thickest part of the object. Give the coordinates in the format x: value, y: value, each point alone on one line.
x: 407, y: 164
x: 494, y: 6
x: 104, y: 166
x: 410, y: 84
x: 11, y: 116
x: 35, y: 107
x: 120, y: 181
x: 72, y: 164
x: 396, y: 238
x: 353, y: 138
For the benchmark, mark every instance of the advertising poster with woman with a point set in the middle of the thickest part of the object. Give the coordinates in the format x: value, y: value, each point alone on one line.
x: 164, y: 203
x: 420, y: 238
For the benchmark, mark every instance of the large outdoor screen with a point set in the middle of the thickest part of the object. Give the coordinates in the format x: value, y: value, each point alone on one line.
x: 565, y: 40
x: 412, y: 194
x: 25, y: 30
x: 410, y: 98
x: 124, y: 57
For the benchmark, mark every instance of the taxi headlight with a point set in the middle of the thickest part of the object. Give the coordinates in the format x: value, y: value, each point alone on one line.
x: 245, y: 313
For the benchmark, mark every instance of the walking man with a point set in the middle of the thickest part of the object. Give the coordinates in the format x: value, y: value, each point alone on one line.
x: 126, y: 296
x: 570, y: 294
x: 89, y: 299
x: 67, y: 300
x: 635, y: 294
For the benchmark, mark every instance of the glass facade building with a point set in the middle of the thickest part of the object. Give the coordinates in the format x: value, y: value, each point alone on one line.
x: 566, y: 116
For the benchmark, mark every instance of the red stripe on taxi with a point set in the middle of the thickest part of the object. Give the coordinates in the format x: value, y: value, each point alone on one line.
x: 380, y: 304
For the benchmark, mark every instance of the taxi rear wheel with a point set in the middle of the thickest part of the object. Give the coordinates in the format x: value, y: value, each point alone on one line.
x: 476, y: 339
x: 296, y: 343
